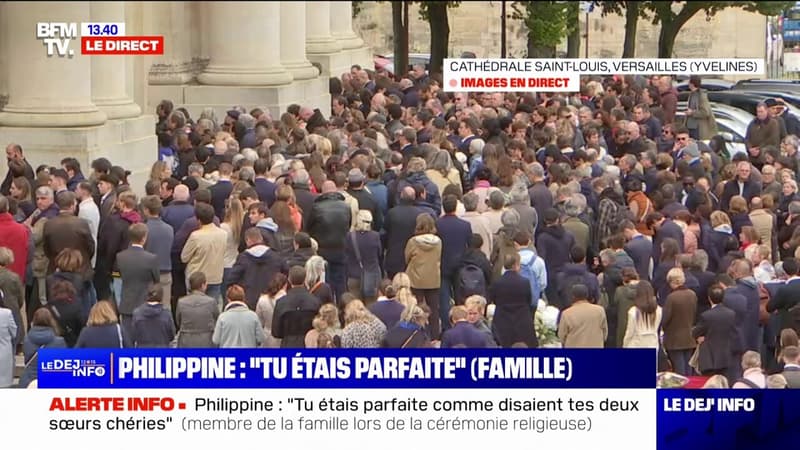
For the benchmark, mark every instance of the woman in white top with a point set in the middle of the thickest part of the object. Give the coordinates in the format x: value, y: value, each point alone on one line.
x: 266, y: 307
x: 234, y: 218
x: 644, y: 318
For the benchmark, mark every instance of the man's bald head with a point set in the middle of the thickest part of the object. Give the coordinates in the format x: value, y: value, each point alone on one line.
x: 408, y: 193
x: 181, y: 193
x: 329, y: 186
x: 756, y: 203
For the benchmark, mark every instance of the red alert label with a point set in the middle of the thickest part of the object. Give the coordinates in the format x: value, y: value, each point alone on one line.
x: 122, y: 45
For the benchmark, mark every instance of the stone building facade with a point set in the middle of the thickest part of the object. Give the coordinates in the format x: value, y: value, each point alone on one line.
x: 216, y: 54
x: 475, y: 26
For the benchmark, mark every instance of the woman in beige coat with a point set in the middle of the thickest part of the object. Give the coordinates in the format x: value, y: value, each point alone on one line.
x: 423, y: 267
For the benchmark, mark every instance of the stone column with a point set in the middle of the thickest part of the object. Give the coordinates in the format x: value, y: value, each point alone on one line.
x: 47, y: 91
x: 319, y: 39
x: 110, y: 74
x: 342, y: 25
x: 245, y: 45
x: 171, y: 20
x: 293, y: 43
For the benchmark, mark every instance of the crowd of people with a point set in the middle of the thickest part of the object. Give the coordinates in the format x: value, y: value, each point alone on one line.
x: 411, y: 217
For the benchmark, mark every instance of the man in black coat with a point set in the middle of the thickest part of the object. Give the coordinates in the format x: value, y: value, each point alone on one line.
x: 295, y: 313
x: 664, y: 228
x: 264, y: 187
x: 513, y: 300
x: 714, y: 332
x: 741, y: 185
x: 742, y: 271
x: 355, y: 183
x: 329, y: 223
x: 737, y: 303
x: 255, y: 267
x: 401, y: 221
x: 222, y: 190
x: 455, y: 234
x: 553, y: 246
x: 14, y: 153
x: 303, y: 195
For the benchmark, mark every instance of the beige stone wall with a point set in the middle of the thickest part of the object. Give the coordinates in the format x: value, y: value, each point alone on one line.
x: 475, y: 26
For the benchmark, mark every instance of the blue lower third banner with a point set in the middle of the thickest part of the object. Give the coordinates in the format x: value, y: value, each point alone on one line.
x: 729, y: 419
x: 272, y: 368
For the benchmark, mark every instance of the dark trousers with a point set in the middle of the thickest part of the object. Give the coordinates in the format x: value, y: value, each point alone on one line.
x: 445, y: 294
x: 680, y: 361
x: 431, y: 298
x: 336, y: 273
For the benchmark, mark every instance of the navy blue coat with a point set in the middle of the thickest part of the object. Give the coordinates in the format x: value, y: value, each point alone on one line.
x: 748, y: 287
x: 455, y: 235
x: 734, y: 300
x: 265, y: 190
x: 463, y: 334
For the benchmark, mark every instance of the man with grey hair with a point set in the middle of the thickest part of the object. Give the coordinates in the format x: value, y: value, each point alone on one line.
x: 179, y: 210
x: 540, y: 195
x: 196, y: 171
x: 497, y: 204
x: 753, y: 376
x: 573, y: 208
x: 248, y: 140
x: 478, y: 222
x: 301, y: 183
x: 521, y: 202
x: 415, y: 177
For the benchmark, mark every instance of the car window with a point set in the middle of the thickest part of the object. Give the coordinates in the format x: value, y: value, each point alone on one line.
x: 724, y: 128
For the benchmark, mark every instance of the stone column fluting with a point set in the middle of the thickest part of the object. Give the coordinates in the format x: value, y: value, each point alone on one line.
x: 319, y: 39
x: 293, y: 42
x: 342, y: 25
x: 47, y: 91
x: 110, y: 73
x: 245, y: 47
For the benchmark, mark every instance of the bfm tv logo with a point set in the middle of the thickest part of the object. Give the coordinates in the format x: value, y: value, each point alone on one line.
x: 75, y: 367
x: 96, y: 39
x: 56, y: 36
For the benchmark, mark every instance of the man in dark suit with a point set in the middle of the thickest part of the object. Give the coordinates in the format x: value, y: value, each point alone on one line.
x: 741, y: 185
x: 264, y: 187
x: 455, y: 234
x: 791, y: 366
x: 107, y: 186
x: 400, y: 224
x: 788, y: 295
x: 462, y: 334
x: 513, y: 300
x: 222, y: 190
x: 664, y: 228
x: 68, y: 231
x: 139, y: 271
x: 714, y: 332
x: 295, y: 312
x: 736, y: 302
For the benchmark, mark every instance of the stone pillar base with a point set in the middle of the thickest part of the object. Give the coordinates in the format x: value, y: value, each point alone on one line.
x: 338, y: 63
x: 130, y: 143
x: 194, y: 98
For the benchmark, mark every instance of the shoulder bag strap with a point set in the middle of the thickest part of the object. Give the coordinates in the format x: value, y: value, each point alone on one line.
x: 35, y: 356
x: 646, y: 210
x: 409, y: 338
x: 119, y: 335
x: 355, y: 247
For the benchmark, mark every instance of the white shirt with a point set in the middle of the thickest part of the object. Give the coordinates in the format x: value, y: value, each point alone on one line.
x: 88, y: 211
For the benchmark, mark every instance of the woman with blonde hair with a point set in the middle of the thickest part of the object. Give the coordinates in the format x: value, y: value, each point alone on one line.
x: 232, y: 225
x: 441, y: 171
x: 363, y: 252
x: 102, y: 330
x: 400, y: 281
x: 326, y: 322
x: 160, y: 171
x: 680, y: 309
x: 315, y: 279
x: 716, y: 382
x: 409, y: 332
x: 362, y: 329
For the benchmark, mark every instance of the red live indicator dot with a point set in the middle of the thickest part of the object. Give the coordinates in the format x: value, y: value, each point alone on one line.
x: 181, y: 405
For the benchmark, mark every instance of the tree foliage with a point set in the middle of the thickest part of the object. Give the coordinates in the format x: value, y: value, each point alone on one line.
x: 547, y: 22
x: 424, y: 7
